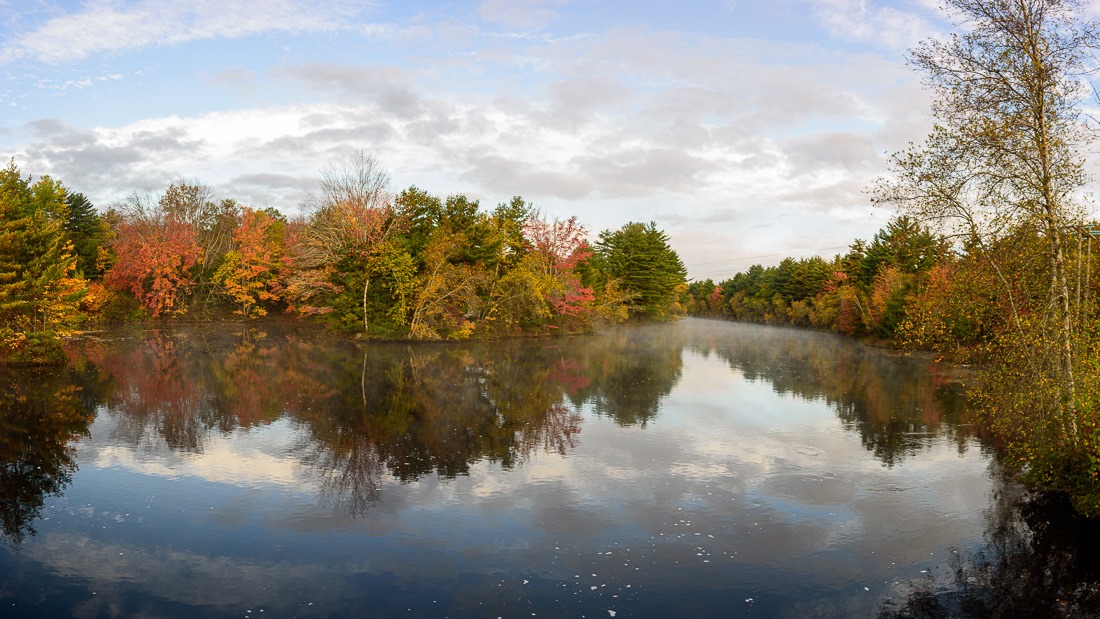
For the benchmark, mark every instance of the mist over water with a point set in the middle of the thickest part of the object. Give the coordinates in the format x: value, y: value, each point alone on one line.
x: 699, y: 469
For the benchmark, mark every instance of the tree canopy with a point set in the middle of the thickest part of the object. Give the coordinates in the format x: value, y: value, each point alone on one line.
x: 639, y: 258
x: 40, y: 289
x: 361, y: 258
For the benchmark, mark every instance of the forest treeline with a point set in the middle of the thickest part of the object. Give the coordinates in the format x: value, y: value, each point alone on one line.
x: 411, y: 265
x: 909, y: 286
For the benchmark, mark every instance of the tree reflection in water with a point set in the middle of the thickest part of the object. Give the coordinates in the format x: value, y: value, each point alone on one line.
x: 40, y: 414
x: 367, y: 410
x: 630, y: 371
x: 368, y: 413
x: 872, y: 391
x: 1040, y: 560
x: 432, y: 409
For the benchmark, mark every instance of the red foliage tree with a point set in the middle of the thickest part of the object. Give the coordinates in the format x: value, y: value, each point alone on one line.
x: 155, y: 256
x: 560, y: 247
x: 714, y: 301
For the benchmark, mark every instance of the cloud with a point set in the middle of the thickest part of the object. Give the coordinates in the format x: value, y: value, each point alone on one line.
x: 237, y: 79
x: 387, y: 85
x: 76, y: 83
x: 830, y: 151
x: 858, y: 20
x: 640, y: 171
x: 520, y: 14
x: 220, y: 462
x: 46, y: 127
x: 503, y: 175
x: 264, y: 189
x: 111, y: 27
x: 108, y: 164
x: 276, y: 181
x: 630, y: 124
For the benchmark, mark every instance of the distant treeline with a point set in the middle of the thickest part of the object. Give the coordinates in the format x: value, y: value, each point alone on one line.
x: 909, y: 286
x: 411, y: 265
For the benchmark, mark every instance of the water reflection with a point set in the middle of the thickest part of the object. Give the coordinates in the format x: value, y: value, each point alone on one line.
x: 40, y: 414
x: 628, y: 372
x: 873, y: 392
x: 370, y: 410
x: 650, y: 471
x: 1040, y: 560
x: 366, y: 409
x: 431, y: 409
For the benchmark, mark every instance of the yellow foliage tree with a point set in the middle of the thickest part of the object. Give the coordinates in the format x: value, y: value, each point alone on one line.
x: 251, y: 271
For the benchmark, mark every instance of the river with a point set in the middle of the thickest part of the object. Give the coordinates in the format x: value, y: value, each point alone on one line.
x: 699, y: 468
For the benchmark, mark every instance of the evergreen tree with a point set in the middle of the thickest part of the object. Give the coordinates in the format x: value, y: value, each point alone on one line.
x: 639, y: 257
x: 904, y: 244
x: 40, y: 290
x: 88, y: 232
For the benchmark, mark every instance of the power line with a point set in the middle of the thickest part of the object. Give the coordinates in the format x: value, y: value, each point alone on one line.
x: 803, y: 251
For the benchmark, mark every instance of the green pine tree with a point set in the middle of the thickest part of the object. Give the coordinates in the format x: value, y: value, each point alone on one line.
x: 639, y: 258
x: 40, y: 290
x: 88, y: 232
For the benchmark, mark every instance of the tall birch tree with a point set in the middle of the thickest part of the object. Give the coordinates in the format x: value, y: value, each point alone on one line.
x: 1005, y: 154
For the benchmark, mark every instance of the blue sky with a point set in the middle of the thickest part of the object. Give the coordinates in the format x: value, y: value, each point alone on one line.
x: 744, y: 128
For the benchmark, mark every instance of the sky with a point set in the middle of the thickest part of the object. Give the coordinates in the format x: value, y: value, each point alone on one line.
x: 747, y: 130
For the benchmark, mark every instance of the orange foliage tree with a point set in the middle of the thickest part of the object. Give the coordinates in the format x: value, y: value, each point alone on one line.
x: 349, y: 226
x: 251, y: 273
x: 156, y: 252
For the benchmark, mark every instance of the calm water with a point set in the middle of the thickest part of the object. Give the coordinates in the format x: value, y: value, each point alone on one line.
x: 695, y: 469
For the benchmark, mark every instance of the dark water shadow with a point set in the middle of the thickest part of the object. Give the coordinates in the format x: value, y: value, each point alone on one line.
x: 1040, y: 559
x: 41, y: 413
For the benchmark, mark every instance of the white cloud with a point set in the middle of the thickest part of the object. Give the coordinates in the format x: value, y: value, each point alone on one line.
x: 104, y: 27
x: 868, y: 21
x: 235, y: 79
x: 627, y: 124
x: 220, y: 462
x: 523, y: 14
x: 79, y: 83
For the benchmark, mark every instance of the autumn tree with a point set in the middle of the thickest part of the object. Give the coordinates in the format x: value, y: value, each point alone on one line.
x: 955, y: 306
x: 213, y: 222
x: 461, y: 256
x: 457, y: 245
x: 558, y: 248
x: 350, y: 221
x: 509, y: 220
x: 893, y: 266
x: 544, y: 287
x: 1005, y: 153
x: 251, y: 272
x: 156, y: 251
x: 40, y: 290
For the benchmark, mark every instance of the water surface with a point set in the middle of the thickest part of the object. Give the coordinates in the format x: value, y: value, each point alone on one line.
x: 694, y: 469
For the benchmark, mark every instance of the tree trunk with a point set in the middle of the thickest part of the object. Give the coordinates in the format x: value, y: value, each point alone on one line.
x: 366, y: 286
x: 1069, y: 388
